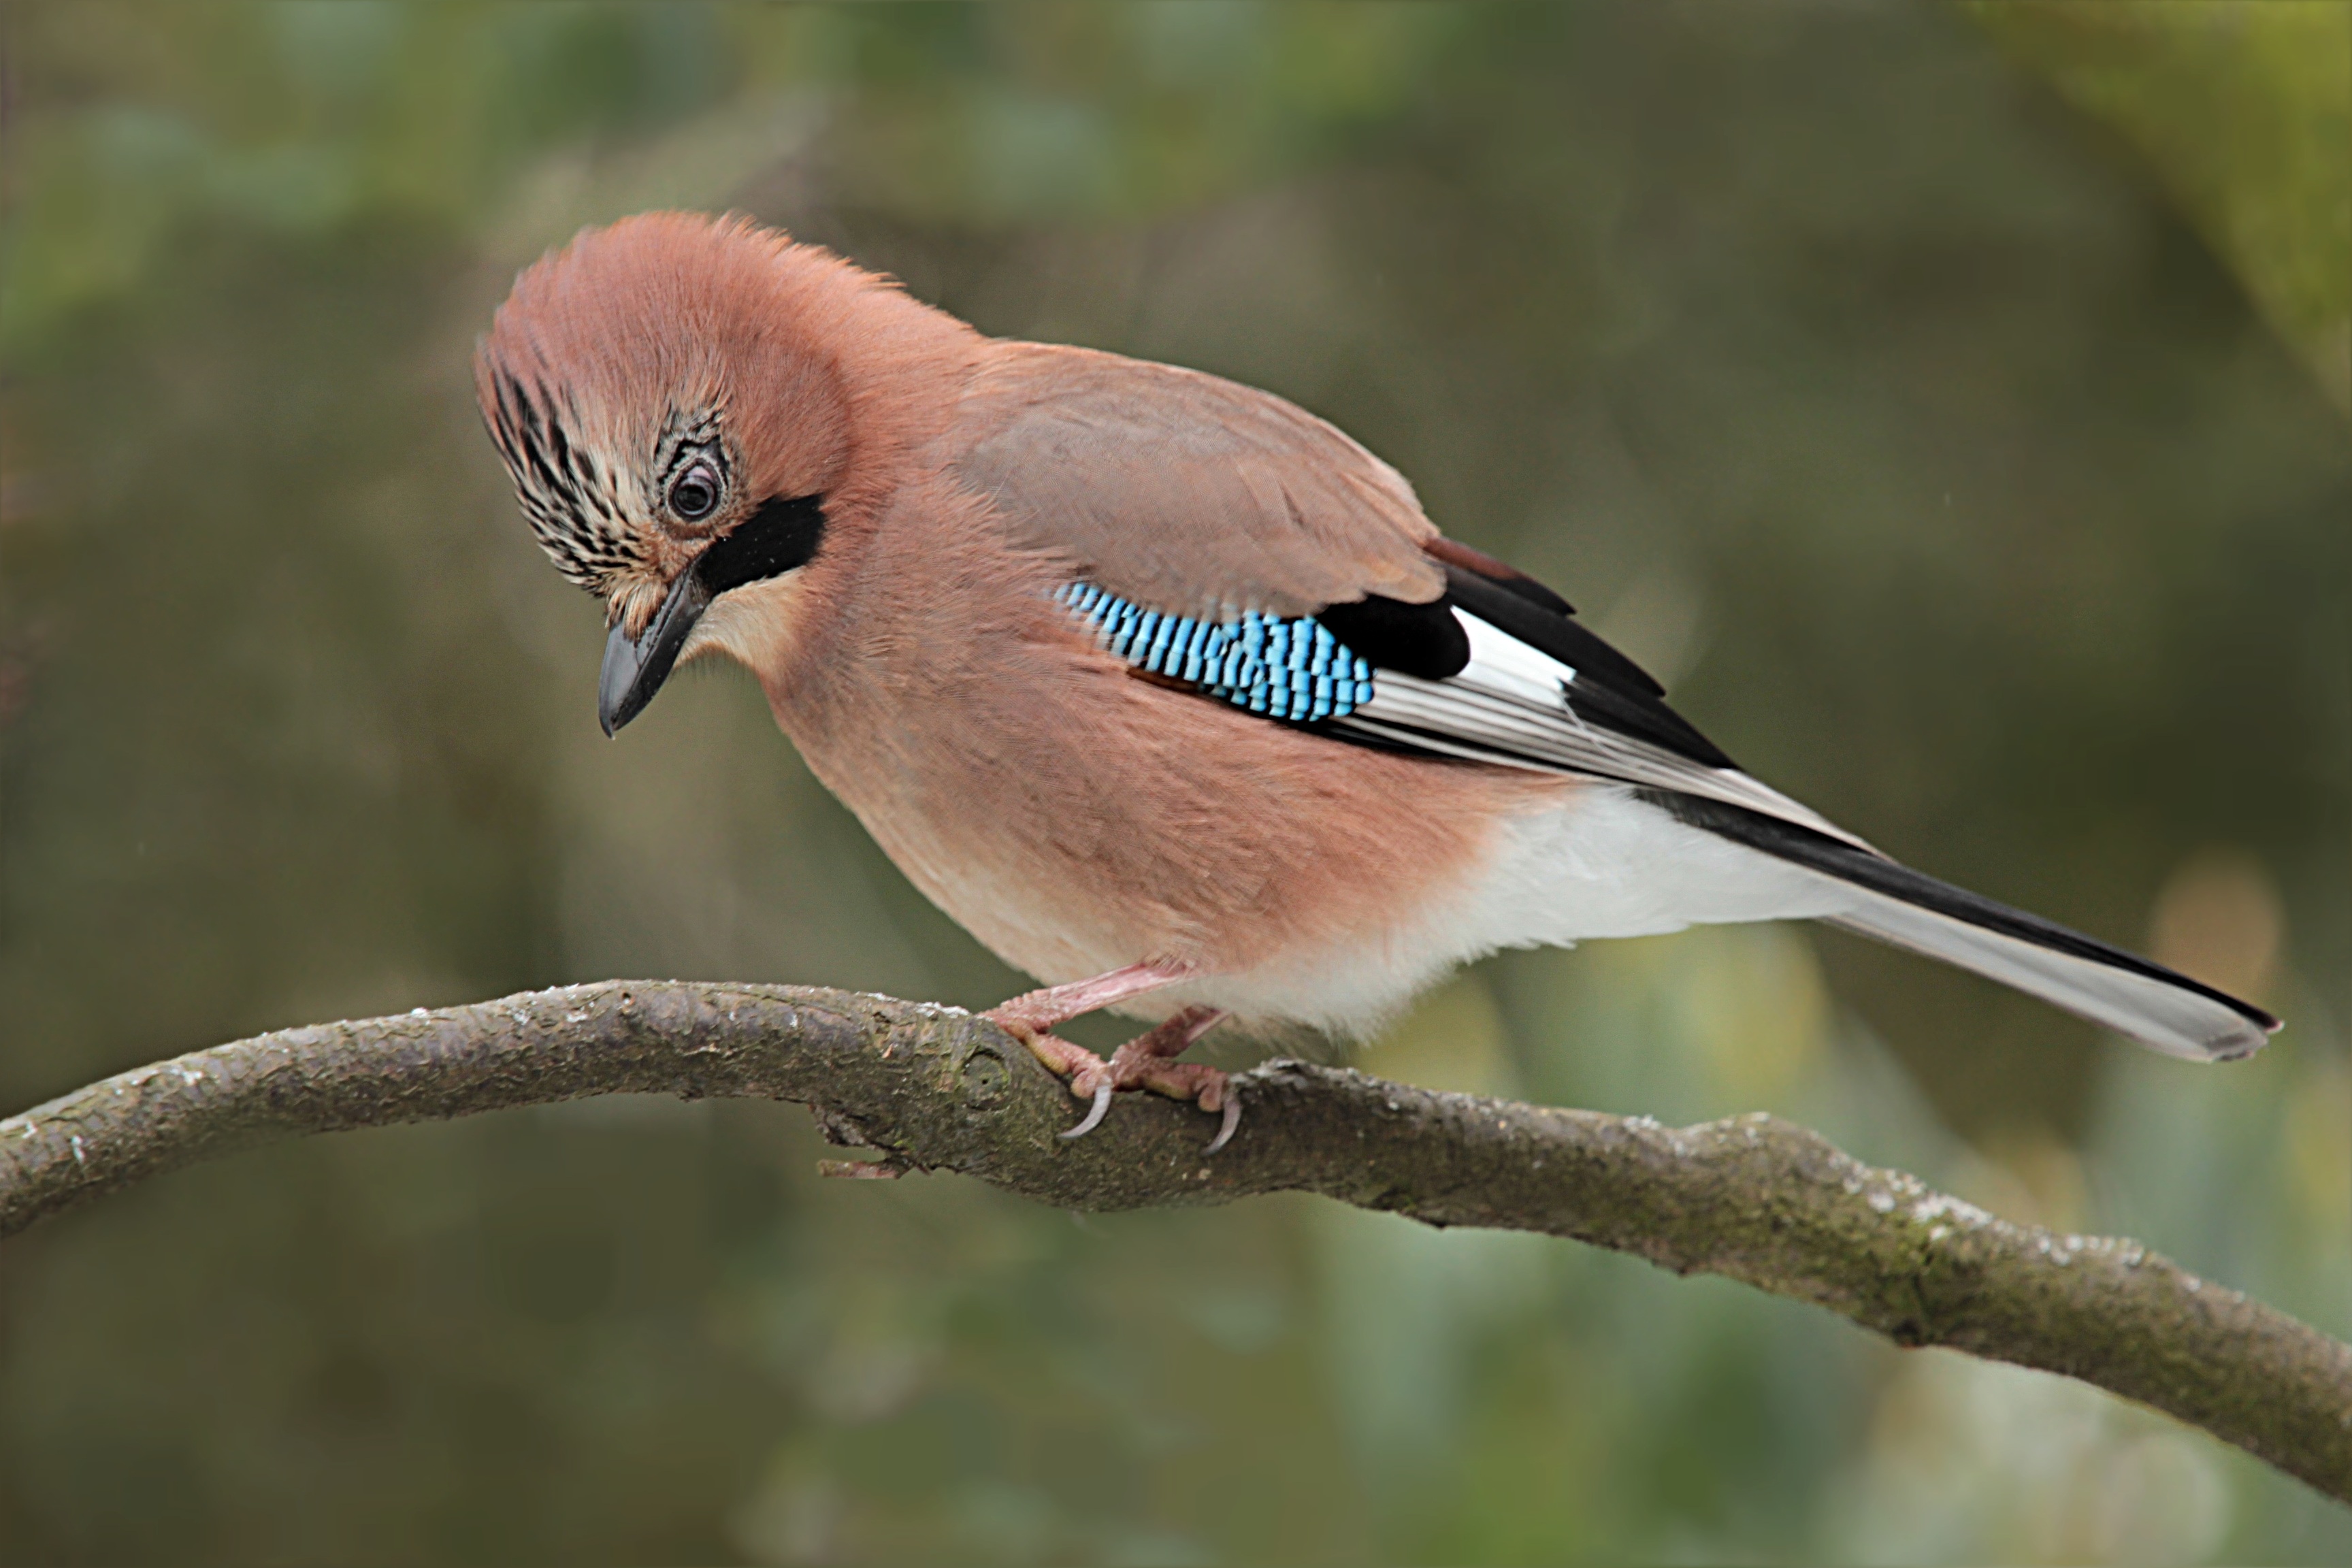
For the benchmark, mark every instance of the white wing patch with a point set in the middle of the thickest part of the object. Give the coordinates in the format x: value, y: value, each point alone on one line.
x: 1510, y: 705
x: 1502, y: 665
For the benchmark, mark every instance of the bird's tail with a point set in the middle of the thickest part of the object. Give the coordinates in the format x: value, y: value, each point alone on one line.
x: 2161, y: 1009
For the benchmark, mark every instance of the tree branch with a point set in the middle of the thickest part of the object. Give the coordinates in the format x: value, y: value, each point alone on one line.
x: 929, y: 1088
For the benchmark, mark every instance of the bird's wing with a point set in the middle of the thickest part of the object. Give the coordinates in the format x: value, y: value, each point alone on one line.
x: 1496, y: 669
x: 1185, y: 491
x: 1202, y: 502
x: 1499, y: 669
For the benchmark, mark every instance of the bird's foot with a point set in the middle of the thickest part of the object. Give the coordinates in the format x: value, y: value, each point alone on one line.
x: 1144, y: 1062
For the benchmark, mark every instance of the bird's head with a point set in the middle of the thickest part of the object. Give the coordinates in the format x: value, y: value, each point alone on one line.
x: 663, y: 395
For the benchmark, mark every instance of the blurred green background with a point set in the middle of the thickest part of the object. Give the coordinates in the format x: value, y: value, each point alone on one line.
x: 1949, y: 402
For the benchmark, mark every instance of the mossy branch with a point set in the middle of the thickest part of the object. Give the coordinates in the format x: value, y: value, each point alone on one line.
x: 928, y: 1087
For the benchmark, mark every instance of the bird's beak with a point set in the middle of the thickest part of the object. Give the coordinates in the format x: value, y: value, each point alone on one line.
x: 635, y: 667
x: 782, y: 536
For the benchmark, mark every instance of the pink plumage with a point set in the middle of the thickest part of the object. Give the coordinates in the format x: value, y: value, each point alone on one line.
x: 749, y: 447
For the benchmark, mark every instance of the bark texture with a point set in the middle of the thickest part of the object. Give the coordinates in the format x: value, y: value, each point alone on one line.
x: 928, y: 1088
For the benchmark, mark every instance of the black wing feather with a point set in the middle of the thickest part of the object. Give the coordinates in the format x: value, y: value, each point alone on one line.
x: 1390, y: 633
x: 1608, y: 689
x: 1426, y: 640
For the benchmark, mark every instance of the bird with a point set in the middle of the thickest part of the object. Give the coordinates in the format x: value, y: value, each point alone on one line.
x: 1166, y: 690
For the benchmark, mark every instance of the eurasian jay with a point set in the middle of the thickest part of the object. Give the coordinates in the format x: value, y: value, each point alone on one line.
x: 1163, y: 687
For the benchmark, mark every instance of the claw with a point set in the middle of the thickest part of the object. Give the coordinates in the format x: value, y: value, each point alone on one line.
x: 1233, y: 1119
x: 1094, y: 1116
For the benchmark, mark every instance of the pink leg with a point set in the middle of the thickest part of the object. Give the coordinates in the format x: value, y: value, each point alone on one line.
x: 1037, y: 1011
x: 1141, y: 1063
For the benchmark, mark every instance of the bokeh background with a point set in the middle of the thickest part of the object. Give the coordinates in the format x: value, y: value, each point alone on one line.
x: 1950, y: 403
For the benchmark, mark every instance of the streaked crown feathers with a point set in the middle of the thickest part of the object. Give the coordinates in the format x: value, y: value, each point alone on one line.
x: 627, y: 347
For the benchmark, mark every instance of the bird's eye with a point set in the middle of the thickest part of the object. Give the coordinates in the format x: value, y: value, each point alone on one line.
x: 694, y: 494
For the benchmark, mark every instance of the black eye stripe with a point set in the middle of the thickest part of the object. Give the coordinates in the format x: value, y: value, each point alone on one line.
x: 781, y: 535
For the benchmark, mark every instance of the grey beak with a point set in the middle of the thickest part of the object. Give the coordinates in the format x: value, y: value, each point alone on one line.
x: 782, y: 535
x: 635, y: 667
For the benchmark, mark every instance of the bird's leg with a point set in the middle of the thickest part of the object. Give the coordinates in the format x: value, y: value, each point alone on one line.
x: 1032, y: 1014
x: 1031, y: 1018
x: 1141, y: 1063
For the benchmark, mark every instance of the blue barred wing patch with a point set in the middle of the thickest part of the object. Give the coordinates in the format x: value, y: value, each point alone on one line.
x: 1290, y: 668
